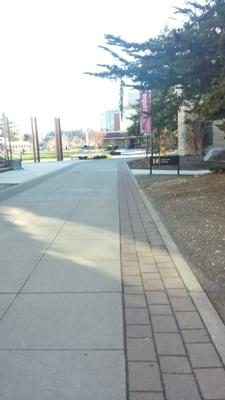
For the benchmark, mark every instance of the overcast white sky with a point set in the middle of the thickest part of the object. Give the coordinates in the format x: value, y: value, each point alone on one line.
x: 46, y: 45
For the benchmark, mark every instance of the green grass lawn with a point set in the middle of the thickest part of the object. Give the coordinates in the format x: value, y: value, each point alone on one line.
x: 28, y: 157
x: 67, y: 155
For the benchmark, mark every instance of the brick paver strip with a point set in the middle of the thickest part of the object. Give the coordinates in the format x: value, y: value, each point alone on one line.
x: 164, y: 323
x: 148, y: 268
x: 146, y: 396
x: 136, y: 316
x: 165, y: 266
x: 157, y: 298
x: 128, y: 270
x: 181, y: 387
x: 170, y: 355
x: 195, y: 336
x: 189, y: 320
x: 168, y: 272
x: 151, y: 275
x: 169, y: 344
x: 132, y: 280
x: 156, y: 309
x: 141, y: 349
x: 182, y: 304
x: 153, y: 284
x: 177, y: 293
x: 133, y: 290
x: 138, y: 331
x: 203, y: 355
x: 144, y: 377
x: 135, y: 301
x: 212, y: 383
x: 175, y: 365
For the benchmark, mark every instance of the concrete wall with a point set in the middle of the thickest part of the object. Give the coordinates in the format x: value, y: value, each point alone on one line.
x: 184, y: 147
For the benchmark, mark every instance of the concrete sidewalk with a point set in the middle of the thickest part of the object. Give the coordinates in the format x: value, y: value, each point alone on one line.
x: 71, y: 326
x: 32, y: 171
x: 61, y: 328
x: 18, y: 181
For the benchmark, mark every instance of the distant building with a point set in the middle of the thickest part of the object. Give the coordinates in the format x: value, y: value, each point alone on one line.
x: 117, y: 139
x: 126, y: 122
x: 21, y: 146
x: 132, y: 98
x: 111, y: 120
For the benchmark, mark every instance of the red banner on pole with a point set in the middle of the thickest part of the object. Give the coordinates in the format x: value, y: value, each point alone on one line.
x: 145, y: 110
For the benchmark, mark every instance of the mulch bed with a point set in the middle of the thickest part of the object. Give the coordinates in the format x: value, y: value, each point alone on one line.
x: 193, y: 210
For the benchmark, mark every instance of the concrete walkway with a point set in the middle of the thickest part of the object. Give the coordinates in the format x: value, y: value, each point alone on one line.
x: 32, y: 171
x: 70, y: 327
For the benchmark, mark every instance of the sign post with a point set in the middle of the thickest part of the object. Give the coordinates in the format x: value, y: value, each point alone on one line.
x: 146, y: 121
x: 164, y: 161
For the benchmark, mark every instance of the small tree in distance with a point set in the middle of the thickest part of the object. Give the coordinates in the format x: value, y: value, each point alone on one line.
x: 8, y: 128
x: 96, y: 138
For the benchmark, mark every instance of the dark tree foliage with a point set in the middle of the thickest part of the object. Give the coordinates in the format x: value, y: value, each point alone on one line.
x: 180, y: 65
x: 70, y: 134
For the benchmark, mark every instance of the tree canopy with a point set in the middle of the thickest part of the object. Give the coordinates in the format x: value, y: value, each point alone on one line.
x: 181, y: 65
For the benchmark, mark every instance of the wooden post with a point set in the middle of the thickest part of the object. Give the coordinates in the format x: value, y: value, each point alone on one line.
x: 37, y: 140
x: 9, y: 140
x: 57, y: 139
x: 33, y: 139
x: 60, y: 140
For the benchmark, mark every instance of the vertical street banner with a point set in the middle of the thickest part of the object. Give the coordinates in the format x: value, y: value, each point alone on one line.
x: 145, y: 110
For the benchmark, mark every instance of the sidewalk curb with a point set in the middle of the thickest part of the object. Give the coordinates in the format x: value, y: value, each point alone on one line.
x: 209, y: 315
x: 22, y: 187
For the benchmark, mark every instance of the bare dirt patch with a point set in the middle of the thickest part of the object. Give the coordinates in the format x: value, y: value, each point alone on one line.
x: 193, y: 210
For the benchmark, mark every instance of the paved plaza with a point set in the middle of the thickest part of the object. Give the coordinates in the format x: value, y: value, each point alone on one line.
x: 95, y: 302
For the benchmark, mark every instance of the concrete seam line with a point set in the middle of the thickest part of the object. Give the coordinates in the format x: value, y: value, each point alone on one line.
x: 22, y: 187
x: 204, y: 306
